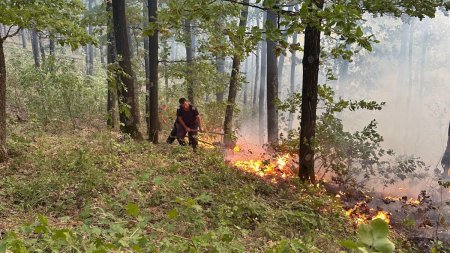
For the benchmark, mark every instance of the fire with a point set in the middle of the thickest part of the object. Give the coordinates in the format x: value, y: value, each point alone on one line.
x: 236, y: 149
x: 361, y: 213
x: 272, y: 167
x: 382, y: 215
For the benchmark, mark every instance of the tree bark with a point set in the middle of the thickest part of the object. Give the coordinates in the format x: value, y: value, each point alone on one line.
x: 35, y: 47
x: 52, y: 46
x: 3, y: 150
x: 220, y: 66
x: 189, y: 59
x: 42, y: 48
x: 245, y: 84
x: 272, y: 84
x: 262, y: 87
x: 24, y: 40
x: 111, y: 107
x: 127, y: 96
x: 90, y: 47
x: 255, y: 84
x: 146, y: 65
x: 292, y: 79
x: 311, y: 59
x: 228, y: 122
x: 153, y: 127
x: 446, y: 157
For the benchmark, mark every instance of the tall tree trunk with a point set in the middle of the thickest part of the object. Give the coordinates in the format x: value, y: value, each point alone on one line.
x: 228, y: 122
x: 127, y: 94
x: 153, y: 78
x: 90, y: 47
x: 255, y: 84
x: 52, y: 45
x: 262, y: 87
x: 220, y: 66
x: 189, y: 59
x: 311, y: 59
x: 35, y: 47
x: 445, y: 162
x: 292, y: 80
x: 24, y: 40
x: 145, y: 10
x: 272, y: 84
x: 113, y: 117
x: 102, y: 55
x: 3, y: 151
x: 245, y: 84
x: 42, y: 47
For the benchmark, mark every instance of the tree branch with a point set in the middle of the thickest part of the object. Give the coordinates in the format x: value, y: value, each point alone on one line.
x: 12, y: 34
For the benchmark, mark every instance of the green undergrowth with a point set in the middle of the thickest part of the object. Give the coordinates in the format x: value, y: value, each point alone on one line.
x: 91, y: 191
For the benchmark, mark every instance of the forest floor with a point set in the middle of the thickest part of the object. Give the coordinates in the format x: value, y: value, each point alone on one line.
x: 92, y: 190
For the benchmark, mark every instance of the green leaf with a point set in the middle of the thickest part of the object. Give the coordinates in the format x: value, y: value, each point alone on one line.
x: 384, y: 245
x: 172, y: 214
x: 365, y: 235
x: 359, y: 32
x: 349, y: 244
x: 380, y: 228
x: 132, y: 209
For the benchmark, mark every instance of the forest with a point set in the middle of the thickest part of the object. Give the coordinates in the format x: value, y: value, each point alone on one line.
x: 224, y: 126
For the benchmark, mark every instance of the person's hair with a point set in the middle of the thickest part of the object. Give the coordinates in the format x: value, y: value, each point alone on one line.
x: 182, y: 100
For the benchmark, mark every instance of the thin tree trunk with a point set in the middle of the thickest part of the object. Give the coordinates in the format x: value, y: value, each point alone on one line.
x: 102, y: 55
x: 52, y: 45
x: 245, y: 84
x: 220, y: 66
x: 145, y: 10
x: 113, y: 82
x: 90, y: 47
x: 153, y: 78
x: 445, y: 162
x: 35, y: 47
x: 255, y: 84
x: 272, y: 85
x: 42, y: 48
x: 126, y: 92
x: 3, y: 150
x: 189, y: 59
x: 311, y: 59
x: 228, y: 123
x: 262, y: 87
x: 292, y: 80
x: 24, y: 41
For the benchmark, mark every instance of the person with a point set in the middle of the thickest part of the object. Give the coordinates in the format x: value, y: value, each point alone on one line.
x: 188, y: 122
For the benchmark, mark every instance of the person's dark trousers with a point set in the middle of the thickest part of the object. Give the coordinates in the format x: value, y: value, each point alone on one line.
x: 173, y: 134
x: 192, y: 135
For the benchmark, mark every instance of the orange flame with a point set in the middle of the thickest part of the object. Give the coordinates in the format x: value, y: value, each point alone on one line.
x: 382, y: 215
x: 237, y: 149
x: 276, y: 167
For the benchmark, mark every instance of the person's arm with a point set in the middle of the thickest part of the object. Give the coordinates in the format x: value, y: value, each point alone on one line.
x: 181, y: 121
x: 199, y: 122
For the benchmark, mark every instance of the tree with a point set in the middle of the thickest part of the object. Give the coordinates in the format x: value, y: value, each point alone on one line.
x: 111, y: 105
x: 311, y: 61
x: 189, y: 59
x: 292, y: 78
x: 228, y: 123
x: 153, y: 126
x: 35, y: 48
x: 90, y: 47
x: 262, y: 86
x: 128, y: 107
x: 446, y: 157
x: 56, y: 16
x: 272, y: 82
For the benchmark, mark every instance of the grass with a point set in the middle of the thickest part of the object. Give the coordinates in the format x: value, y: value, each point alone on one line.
x: 97, y: 190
